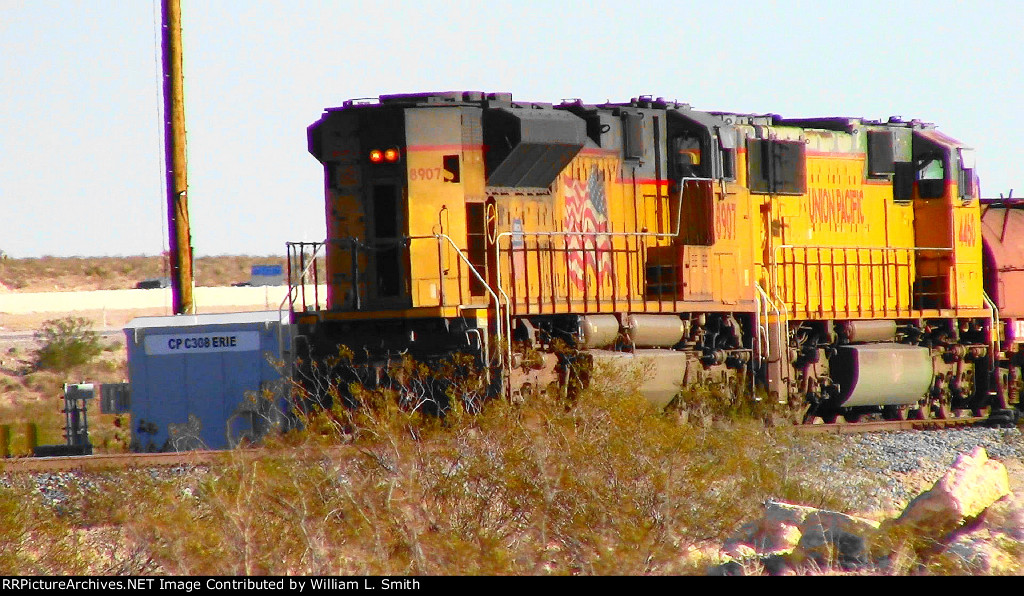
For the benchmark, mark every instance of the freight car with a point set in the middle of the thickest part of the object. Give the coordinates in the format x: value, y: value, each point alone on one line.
x: 832, y: 263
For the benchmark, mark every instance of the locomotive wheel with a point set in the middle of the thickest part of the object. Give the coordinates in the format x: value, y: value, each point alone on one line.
x: 894, y: 413
x: 820, y: 414
x: 853, y: 416
x: 940, y: 411
x: 822, y: 418
x: 828, y: 417
x: 981, y: 412
x: 983, y: 406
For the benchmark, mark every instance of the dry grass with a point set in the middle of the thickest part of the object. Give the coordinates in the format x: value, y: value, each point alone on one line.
x: 605, y: 485
x: 600, y: 485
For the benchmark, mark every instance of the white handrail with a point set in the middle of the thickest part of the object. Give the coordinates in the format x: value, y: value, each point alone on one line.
x: 506, y: 363
x: 781, y: 330
x: 302, y: 276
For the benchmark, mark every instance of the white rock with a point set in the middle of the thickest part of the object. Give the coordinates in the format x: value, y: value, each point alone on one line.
x: 971, y: 485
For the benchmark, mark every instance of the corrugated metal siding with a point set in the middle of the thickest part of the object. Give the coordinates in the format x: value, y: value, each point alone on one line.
x: 196, y: 395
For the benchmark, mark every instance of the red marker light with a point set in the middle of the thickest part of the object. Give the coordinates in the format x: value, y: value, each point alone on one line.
x: 391, y: 155
x: 376, y: 156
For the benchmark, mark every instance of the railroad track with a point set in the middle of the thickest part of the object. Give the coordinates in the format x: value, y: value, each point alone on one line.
x: 112, y: 461
x: 891, y: 425
x: 121, y: 461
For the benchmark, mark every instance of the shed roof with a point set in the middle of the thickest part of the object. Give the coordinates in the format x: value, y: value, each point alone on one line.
x: 227, y: 318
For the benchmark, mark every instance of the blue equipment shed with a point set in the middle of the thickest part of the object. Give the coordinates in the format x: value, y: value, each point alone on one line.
x: 203, y: 381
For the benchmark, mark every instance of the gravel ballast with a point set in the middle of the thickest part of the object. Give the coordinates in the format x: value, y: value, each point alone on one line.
x: 882, y: 472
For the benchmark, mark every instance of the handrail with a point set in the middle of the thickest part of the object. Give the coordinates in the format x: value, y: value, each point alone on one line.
x: 523, y: 234
x: 768, y: 304
x: 483, y: 282
x: 312, y: 261
x: 294, y: 289
x: 993, y: 320
x: 505, y: 358
x: 775, y: 263
x: 993, y: 357
x: 504, y: 319
x: 850, y: 247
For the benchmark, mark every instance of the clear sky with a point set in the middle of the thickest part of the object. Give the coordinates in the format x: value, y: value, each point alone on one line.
x: 81, y: 169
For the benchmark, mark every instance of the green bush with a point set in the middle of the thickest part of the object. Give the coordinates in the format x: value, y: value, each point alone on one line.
x: 66, y: 343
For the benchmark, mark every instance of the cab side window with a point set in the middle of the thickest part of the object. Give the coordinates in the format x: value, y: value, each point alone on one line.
x: 686, y: 157
x: 931, y: 176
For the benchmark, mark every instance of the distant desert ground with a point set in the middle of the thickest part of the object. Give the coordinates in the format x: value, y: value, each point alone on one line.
x: 112, y: 309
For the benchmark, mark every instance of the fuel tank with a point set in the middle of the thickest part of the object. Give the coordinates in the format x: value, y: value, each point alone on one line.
x: 882, y: 374
x: 662, y: 371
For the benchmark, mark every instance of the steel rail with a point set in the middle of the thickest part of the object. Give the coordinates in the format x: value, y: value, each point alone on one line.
x: 889, y: 425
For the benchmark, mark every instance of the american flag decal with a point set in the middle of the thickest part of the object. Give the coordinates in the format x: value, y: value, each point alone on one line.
x: 586, y: 212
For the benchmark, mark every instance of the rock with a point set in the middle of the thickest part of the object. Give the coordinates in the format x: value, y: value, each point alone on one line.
x: 968, y: 522
x: 981, y: 551
x: 994, y: 542
x: 739, y: 551
x: 778, y: 565
x: 1005, y: 516
x: 824, y: 537
x: 829, y: 538
x: 778, y: 531
x: 727, y: 568
x: 972, y: 484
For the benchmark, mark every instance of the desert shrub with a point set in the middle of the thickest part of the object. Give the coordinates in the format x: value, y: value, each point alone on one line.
x: 734, y: 400
x: 65, y: 343
x: 45, y: 383
x: 35, y: 540
x: 46, y: 416
x: 9, y: 384
x: 604, y: 484
x: 96, y: 270
x: 599, y: 484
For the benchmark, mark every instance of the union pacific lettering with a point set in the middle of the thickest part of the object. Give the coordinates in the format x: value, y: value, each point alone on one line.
x: 835, y: 209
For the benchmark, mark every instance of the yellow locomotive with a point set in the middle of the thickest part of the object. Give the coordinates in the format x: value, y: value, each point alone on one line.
x: 834, y: 262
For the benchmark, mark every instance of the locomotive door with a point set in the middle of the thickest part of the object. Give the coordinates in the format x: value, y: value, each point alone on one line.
x: 927, y: 175
x: 481, y: 231
x: 386, y: 247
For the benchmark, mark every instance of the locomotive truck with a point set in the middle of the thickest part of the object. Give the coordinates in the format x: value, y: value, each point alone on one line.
x: 841, y: 265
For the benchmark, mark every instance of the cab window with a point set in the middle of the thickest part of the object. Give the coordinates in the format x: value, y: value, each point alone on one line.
x: 686, y: 157
x: 931, y: 176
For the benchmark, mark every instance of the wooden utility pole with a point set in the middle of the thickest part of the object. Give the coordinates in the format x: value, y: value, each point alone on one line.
x: 180, y: 238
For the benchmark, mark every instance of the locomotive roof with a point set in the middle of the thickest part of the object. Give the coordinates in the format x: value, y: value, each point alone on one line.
x: 504, y: 99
